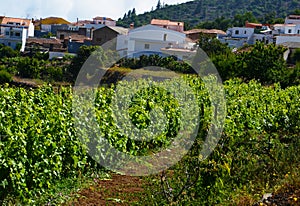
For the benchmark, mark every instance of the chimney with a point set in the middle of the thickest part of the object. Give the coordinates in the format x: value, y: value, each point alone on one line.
x: 131, y: 25
x: 92, y: 32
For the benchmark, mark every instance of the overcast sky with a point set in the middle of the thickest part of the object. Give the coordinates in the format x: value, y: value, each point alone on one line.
x: 71, y: 9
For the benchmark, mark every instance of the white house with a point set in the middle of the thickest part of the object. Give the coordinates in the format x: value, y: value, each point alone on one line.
x: 238, y: 36
x: 287, y: 28
x: 152, y: 39
x: 14, y: 31
x: 292, y: 19
x: 240, y: 32
x: 104, y: 20
x: 287, y: 38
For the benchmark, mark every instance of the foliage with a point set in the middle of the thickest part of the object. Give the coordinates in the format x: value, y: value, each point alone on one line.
x: 83, y: 54
x: 296, y: 56
x: 39, y: 144
x: 264, y: 63
x: 198, y: 11
x: 259, y: 146
x: 170, y: 62
x: 211, y: 46
x: 6, y: 51
x: 29, y: 67
x: 5, y: 77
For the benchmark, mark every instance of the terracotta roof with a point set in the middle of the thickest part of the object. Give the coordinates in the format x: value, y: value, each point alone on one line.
x: 43, y: 41
x: 165, y: 22
x: 77, y: 38
x: 81, y: 22
x: 102, y: 18
x: 294, y: 17
x: 22, y: 22
x: 205, y: 31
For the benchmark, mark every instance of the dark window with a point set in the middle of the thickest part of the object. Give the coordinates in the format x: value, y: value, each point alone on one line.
x: 7, y: 33
x: 237, y: 31
x: 245, y: 32
x: 147, y: 46
x: 62, y: 36
x: 290, y: 31
x: 165, y: 37
x: 18, y: 34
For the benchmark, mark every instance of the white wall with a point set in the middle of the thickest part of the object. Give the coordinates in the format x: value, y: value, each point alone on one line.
x: 30, y: 30
x: 282, y: 39
x: 154, y: 36
x: 243, y: 32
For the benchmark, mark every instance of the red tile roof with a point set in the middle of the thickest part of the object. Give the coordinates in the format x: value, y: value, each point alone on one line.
x: 77, y: 38
x: 82, y: 22
x: 42, y: 41
x: 161, y: 22
x: 22, y: 22
x: 205, y: 31
x: 102, y: 18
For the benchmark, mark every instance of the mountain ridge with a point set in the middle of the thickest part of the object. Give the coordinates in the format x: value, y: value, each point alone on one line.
x: 197, y: 11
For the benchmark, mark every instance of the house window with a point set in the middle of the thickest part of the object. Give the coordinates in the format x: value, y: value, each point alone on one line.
x: 245, y: 32
x: 8, y: 44
x: 165, y: 37
x: 18, y: 24
x: 237, y: 31
x: 7, y: 33
x: 62, y: 36
x: 290, y: 31
x: 18, y: 34
x: 147, y: 46
x: 298, y: 32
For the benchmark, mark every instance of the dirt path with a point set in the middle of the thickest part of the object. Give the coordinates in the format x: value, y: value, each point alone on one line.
x: 119, y: 190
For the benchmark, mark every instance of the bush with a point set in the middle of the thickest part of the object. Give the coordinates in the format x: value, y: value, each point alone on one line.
x: 5, y: 77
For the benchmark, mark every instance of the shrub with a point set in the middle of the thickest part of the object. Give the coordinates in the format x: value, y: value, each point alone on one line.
x: 5, y: 77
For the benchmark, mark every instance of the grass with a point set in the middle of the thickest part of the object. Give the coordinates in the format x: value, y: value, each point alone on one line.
x: 62, y: 191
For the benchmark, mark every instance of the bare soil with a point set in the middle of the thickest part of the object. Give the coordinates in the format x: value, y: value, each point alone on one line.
x: 119, y: 190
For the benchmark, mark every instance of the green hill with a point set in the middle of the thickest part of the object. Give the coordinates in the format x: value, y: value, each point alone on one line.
x: 197, y: 11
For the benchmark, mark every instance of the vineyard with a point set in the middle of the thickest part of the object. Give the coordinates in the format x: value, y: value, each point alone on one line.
x: 40, y: 142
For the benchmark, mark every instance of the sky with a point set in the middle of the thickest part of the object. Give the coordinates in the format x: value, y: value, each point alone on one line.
x: 71, y: 9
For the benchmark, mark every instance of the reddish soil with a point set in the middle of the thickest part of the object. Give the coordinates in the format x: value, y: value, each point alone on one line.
x: 287, y: 196
x: 119, y: 190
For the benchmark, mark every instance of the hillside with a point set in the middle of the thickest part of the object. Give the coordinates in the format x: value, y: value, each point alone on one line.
x: 197, y: 11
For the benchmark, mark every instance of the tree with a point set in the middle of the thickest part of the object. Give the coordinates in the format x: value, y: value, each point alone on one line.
x: 83, y: 54
x: 6, y: 51
x: 264, y: 63
x: 158, y: 6
x: 211, y: 45
x: 129, y: 14
x: 133, y: 13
